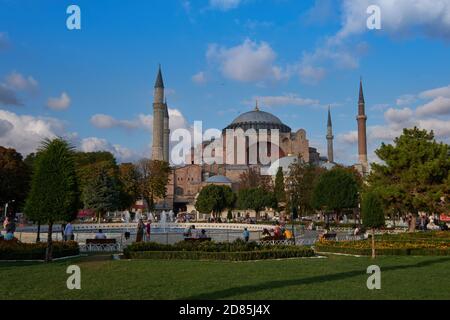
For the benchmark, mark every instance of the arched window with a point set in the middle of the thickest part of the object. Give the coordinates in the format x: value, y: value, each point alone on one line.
x: 179, y: 191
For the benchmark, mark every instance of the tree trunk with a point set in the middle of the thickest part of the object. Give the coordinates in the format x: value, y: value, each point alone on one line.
x: 38, y: 236
x: 48, y: 251
x: 373, y: 243
x: 412, y: 224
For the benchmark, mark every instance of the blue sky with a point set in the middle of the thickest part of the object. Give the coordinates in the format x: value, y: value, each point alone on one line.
x: 94, y: 85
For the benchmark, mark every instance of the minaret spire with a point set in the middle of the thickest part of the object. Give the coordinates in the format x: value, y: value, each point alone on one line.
x: 362, y: 134
x: 159, y: 83
x: 159, y: 115
x: 330, y: 137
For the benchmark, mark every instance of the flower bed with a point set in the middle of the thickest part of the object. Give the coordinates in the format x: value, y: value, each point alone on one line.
x: 390, y: 245
x: 235, y: 251
x: 13, y: 250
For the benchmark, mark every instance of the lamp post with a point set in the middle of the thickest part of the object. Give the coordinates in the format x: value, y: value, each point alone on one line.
x: 293, y: 213
x: 6, y: 207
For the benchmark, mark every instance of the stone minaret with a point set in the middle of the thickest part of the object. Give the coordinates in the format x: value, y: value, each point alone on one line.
x: 330, y: 137
x: 166, y: 134
x: 362, y: 138
x: 159, y: 110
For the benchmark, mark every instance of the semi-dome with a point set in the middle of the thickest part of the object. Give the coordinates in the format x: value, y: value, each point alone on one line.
x: 257, y: 119
x: 284, y: 163
x: 218, y: 179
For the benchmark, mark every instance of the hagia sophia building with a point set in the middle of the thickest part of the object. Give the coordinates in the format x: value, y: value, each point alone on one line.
x: 186, y: 181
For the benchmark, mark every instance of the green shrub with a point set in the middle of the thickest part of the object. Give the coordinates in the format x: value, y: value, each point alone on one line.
x: 238, y: 250
x: 281, y: 253
x: 13, y: 250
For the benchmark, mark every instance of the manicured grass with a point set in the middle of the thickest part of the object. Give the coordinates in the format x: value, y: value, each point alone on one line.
x: 336, y: 277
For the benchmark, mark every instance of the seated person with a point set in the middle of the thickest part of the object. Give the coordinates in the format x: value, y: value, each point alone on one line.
x: 288, y: 234
x: 277, y: 232
x: 203, y: 234
x: 266, y: 234
x: 100, y: 235
x: 187, y: 232
x: 9, y: 236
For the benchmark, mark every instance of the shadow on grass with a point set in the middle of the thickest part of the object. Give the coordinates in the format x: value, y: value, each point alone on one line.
x: 231, y: 292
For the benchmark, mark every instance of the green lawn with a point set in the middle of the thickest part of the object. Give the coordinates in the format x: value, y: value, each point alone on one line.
x: 336, y: 277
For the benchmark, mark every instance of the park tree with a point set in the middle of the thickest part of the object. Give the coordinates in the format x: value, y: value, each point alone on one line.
x: 414, y: 175
x: 214, y: 199
x: 54, y: 191
x: 372, y: 214
x: 14, y: 179
x: 90, y: 164
x: 252, y: 178
x: 256, y: 199
x: 300, y: 182
x: 335, y: 191
x: 129, y: 179
x: 280, y: 188
x: 101, y: 194
x: 154, y: 176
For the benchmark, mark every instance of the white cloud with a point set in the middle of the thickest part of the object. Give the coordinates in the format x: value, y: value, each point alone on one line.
x: 104, y: 121
x: 199, y: 78
x: 25, y: 133
x: 224, y: 5
x: 429, y: 116
x: 441, y: 128
x: 17, y: 81
x: 435, y: 93
x: 93, y: 144
x: 142, y: 121
x: 348, y: 137
x: 399, y: 17
x: 285, y: 100
x: 5, y: 127
x: 438, y: 106
x: 310, y: 74
x: 247, y: 62
x: 406, y: 99
x: 399, y: 116
x: 60, y: 103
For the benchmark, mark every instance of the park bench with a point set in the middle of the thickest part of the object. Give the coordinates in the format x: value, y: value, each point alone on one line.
x: 95, y: 245
x: 329, y: 236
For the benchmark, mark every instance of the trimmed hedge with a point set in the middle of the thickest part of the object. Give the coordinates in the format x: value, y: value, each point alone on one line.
x: 230, y: 256
x: 234, y: 251
x: 384, y: 252
x: 206, y: 246
x: 13, y: 250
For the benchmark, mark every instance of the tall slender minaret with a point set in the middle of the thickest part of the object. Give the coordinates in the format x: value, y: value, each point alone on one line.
x: 362, y: 138
x: 330, y: 137
x: 166, y: 134
x: 159, y: 110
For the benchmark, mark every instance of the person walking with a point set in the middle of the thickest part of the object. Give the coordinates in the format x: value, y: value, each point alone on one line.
x: 140, y: 231
x: 68, y: 232
x: 246, y: 235
x: 148, y: 228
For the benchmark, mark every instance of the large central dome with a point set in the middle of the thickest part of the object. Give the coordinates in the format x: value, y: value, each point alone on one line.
x: 257, y: 120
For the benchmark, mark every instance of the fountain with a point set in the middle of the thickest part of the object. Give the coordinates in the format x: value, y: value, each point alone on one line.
x: 171, y: 216
x: 137, y: 216
x: 163, y: 220
x: 126, y: 217
x: 151, y: 217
